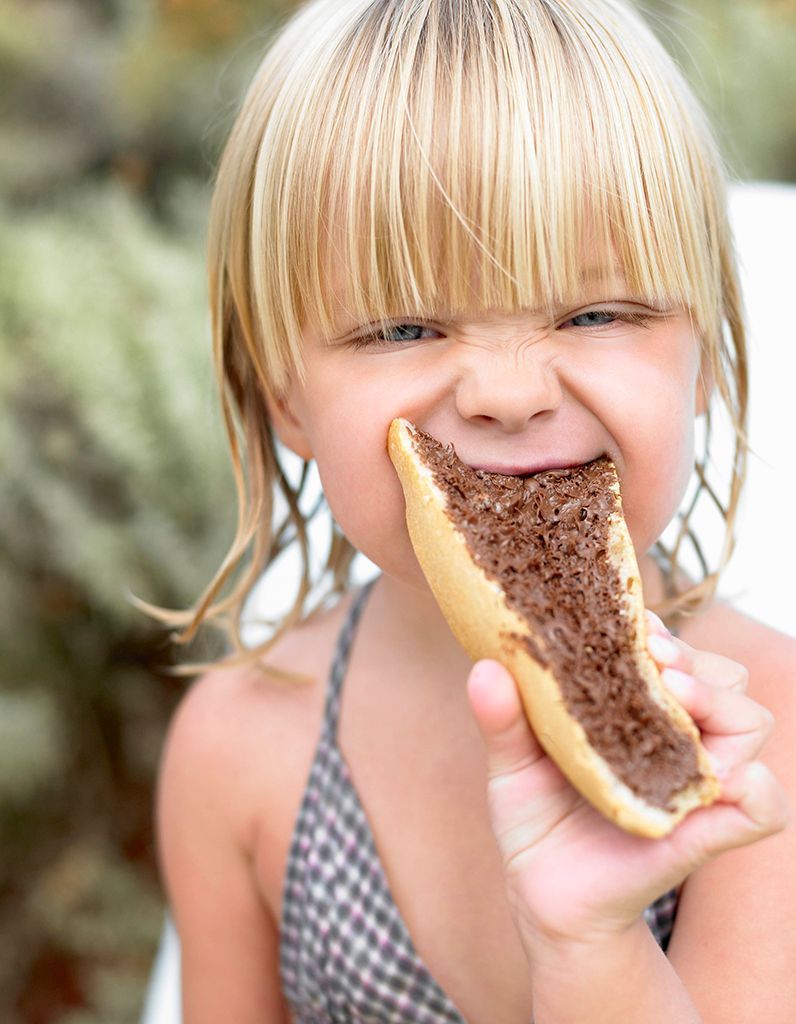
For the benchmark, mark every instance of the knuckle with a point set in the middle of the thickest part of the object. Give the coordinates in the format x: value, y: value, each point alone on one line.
x: 732, y: 675
x: 785, y: 813
x: 767, y: 721
x: 740, y: 681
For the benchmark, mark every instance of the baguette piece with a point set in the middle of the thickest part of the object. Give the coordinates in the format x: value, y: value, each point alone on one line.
x: 539, y: 573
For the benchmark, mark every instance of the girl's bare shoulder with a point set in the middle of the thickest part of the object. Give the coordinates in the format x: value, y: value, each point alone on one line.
x: 244, y: 736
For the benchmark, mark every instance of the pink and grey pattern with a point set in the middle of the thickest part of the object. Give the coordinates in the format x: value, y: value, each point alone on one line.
x: 346, y: 954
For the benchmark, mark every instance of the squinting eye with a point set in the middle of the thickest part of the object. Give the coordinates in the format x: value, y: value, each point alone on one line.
x: 606, y: 317
x: 392, y: 334
x: 400, y: 332
x: 592, y: 318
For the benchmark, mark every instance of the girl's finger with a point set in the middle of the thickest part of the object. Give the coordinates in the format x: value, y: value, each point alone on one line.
x: 752, y: 806
x: 510, y: 743
x: 755, y: 791
x: 527, y: 793
x: 734, y: 728
x: 670, y: 652
x: 655, y: 624
x: 720, y: 671
x: 714, y: 709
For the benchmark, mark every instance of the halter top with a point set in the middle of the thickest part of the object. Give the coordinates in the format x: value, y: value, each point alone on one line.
x: 345, y: 953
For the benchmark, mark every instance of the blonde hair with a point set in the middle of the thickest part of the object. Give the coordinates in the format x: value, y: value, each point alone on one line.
x: 505, y: 134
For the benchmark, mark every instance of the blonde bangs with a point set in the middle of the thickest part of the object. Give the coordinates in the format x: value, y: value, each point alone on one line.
x: 457, y: 156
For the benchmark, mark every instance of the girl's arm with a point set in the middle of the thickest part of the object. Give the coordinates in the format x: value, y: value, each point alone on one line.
x: 621, y: 977
x: 734, y: 945
x: 229, y: 943
x: 578, y: 884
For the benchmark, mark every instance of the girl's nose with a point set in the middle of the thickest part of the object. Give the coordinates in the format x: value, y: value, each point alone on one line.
x: 508, y: 391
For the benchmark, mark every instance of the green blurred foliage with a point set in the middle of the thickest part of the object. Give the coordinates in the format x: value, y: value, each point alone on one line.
x: 115, y: 477
x: 114, y: 480
x: 739, y: 58
x: 141, y: 89
x: 105, y: 353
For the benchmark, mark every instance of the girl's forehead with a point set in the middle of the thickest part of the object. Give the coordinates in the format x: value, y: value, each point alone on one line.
x: 349, y: 297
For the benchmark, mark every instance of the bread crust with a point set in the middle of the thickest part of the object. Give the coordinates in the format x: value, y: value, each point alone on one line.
x: 476, y: 610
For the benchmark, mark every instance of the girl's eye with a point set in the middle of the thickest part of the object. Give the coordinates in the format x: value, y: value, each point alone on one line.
x: 606, y: 317
x: 392, y: 334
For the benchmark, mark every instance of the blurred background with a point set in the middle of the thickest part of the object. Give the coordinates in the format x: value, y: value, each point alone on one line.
x: 114, y: 470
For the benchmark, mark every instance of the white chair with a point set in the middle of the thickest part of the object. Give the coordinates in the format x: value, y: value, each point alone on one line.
x: 163, y: 1004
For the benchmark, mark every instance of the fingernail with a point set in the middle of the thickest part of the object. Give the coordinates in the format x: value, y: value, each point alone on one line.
x: 678, y: 682
x: 656, y: 621
x: 661, y: 649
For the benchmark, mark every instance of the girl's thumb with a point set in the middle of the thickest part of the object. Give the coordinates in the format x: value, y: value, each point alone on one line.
x: 495, y: 701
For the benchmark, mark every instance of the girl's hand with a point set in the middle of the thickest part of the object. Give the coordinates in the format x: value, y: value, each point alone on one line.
x: 571, y: 874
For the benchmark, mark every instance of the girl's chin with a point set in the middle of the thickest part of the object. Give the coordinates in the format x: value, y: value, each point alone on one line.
x: 402, y: 571
x: 408, y: 574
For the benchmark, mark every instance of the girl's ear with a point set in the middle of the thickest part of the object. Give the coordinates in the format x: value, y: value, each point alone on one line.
x: 288, y: 424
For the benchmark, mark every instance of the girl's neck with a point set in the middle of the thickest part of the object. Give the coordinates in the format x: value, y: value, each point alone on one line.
x: 407, y: 618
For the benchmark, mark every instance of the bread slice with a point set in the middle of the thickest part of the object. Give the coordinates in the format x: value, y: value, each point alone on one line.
x: 540, y: 574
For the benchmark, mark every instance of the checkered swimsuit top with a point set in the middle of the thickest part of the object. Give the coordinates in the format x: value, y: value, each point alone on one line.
x: 346, y: 955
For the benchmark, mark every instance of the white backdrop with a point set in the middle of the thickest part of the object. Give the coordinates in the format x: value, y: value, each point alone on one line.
x: 759, y: 579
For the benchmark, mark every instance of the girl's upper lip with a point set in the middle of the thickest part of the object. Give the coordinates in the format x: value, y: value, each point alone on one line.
x: 528, y: 469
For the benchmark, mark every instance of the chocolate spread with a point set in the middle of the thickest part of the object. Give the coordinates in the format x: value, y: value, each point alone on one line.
x: 545, y: 540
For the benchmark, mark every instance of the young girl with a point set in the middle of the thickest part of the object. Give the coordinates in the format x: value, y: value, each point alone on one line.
x: 503, y: 220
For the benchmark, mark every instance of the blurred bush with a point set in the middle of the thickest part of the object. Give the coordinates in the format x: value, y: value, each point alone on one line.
x: 115, y: 480
x: 739, y: 57
x: 112, y: 113
x: 139, y: 89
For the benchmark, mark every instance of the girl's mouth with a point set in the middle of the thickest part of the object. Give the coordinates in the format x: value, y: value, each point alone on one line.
x: 529, y: 469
